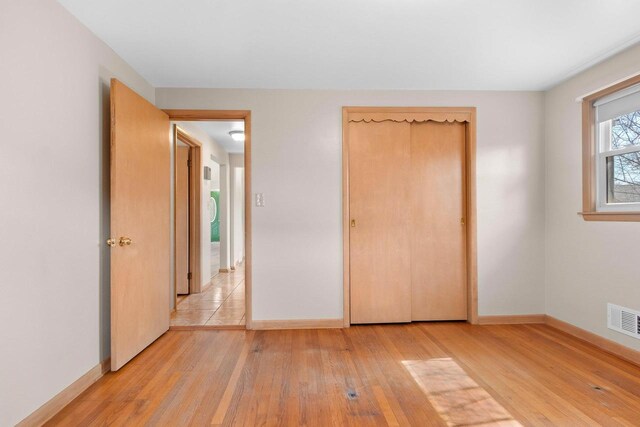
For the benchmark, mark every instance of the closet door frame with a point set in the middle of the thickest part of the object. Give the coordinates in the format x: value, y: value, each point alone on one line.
x: 465, y: 115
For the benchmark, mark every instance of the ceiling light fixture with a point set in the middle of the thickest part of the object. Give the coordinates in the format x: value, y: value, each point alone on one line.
x: 237, y: 135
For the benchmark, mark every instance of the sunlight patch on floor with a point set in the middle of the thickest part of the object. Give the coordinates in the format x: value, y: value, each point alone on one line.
x: 459, y: 400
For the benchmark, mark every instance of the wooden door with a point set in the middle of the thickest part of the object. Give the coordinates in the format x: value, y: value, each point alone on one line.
x: 182, y: 219
x: 379, y: 166
x: 140, y: 211
x: 438, y: 232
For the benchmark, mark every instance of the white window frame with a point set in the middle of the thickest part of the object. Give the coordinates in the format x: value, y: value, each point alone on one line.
x: 603, y: 139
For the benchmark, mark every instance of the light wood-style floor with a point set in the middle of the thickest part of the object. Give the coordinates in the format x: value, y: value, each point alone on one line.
x: 221, y: 303
x: 429, y: 374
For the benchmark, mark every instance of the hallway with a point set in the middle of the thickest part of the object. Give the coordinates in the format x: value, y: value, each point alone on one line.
x: 222, y: 303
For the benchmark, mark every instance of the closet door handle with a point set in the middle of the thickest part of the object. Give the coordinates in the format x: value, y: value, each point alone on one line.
x: 353, y: 223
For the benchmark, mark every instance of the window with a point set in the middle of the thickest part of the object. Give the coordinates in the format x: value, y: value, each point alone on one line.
x: 611, y: 153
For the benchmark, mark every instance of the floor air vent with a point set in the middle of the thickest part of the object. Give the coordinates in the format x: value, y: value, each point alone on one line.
x: 624, y: 320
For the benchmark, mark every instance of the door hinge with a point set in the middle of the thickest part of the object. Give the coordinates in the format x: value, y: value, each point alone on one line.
x: 189, y: 276
x: 189, y: 163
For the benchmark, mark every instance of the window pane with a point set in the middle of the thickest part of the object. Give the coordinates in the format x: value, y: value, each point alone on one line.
x: 625, y: 131
x: 623, y: 178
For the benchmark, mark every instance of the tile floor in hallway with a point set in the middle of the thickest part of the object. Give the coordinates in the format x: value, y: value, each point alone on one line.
x: 221, y: 303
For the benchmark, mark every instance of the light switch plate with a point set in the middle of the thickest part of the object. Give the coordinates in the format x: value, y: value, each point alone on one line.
x: 260, y: 200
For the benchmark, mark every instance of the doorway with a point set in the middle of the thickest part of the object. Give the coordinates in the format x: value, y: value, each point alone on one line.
x: 409, y: 214
x: 187, y: 154
x: 183, y: 253
x: 142, y: 280
x: 220, y: 301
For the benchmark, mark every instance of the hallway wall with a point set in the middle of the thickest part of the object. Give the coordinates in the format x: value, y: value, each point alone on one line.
x: 54, y: 80
x: 236, y: 163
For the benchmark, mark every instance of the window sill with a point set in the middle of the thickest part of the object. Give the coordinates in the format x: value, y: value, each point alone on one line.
x: 611, y: 216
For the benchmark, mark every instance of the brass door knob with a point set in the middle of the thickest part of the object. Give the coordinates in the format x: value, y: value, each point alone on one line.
x: 125, y: 241
x: 353, y: 222
x: 111, y: 242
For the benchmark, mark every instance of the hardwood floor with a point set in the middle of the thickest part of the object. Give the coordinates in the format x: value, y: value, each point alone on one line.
x: 220, y: 304
x: 420, y: 374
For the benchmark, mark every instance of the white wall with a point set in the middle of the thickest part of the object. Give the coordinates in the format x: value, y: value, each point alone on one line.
x: 214, y: 184
x: 236, y: 164
x: 211, y: 150
x: 296, y: 163
x: 238, y: 216
x: 588, y: 263
x: 225, y: 210
x: 54, y: 169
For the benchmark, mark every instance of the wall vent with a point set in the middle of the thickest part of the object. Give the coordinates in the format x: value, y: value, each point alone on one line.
x: 623, y: 320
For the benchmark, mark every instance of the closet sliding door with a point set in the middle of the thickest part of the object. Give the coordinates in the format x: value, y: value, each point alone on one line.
x: 409, y: 216
x: 438, y: 223
x: 379, y: 165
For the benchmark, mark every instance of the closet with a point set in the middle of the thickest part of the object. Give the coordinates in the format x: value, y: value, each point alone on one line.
x: 407, y: 214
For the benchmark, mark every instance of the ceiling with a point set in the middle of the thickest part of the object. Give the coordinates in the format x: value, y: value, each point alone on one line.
x: 219, y: 131
x: 361, y: 44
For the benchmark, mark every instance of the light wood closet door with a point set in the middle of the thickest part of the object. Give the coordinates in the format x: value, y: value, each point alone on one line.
x: 379, y: 173
x: 182, y: 219
x: 438, y: 232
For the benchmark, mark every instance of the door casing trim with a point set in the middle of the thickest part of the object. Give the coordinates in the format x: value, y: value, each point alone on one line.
x: 195, y: 204
x: 245, y: 115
